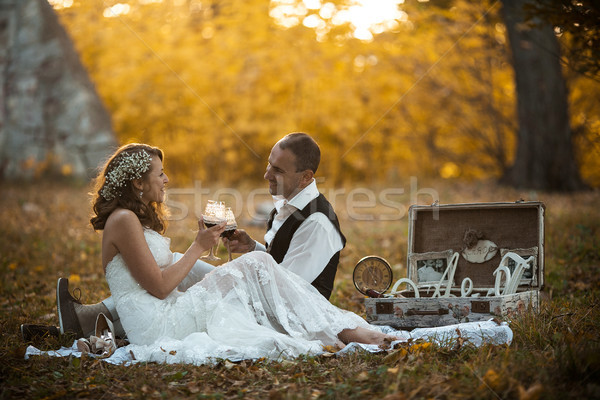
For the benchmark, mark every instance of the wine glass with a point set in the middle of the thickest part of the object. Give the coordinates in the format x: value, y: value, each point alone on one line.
x: 214, y: 214
x: 229, y: 228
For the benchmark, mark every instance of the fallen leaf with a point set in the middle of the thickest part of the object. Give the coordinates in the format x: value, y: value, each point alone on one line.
x: 274, y: 394
x: 363, y: 376
x: 582, y: 285
x: 330, y: 349
x: 493, y: 380
x: 395, y: 396
x: 193, y: 388
x: 533, y: 393
x: 395, y: 356
x: 287, y: 363
x: 418, y: 347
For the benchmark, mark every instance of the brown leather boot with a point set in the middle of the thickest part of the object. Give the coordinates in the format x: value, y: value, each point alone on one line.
x: 65, y: 305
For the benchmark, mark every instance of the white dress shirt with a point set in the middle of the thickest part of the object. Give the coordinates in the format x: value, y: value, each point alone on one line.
x: 315, y: 241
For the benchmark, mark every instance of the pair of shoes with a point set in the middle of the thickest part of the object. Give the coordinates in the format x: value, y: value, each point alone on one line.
x: 103, y: 342
x: 65, y: 305
x: 31, y: 332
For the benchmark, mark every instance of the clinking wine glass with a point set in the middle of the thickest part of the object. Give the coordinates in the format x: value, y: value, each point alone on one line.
x: 229, y: 228
x: 214, y: 214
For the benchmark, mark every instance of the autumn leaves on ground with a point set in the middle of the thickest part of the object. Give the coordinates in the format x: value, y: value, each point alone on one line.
x: 555, y: 353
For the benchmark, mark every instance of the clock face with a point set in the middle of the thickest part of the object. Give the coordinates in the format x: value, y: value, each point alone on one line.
x: 372, y: 272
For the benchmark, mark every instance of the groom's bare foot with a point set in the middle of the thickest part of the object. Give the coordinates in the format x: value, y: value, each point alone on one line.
x: 367, y: 336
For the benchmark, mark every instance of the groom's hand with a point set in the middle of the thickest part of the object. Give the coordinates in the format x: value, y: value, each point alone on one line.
x: 240, y: 242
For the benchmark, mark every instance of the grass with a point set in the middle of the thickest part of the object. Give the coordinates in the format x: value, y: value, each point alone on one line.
x: 555, y: 353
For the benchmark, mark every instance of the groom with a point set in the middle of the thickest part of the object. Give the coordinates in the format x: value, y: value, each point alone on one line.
x: 303, y: 234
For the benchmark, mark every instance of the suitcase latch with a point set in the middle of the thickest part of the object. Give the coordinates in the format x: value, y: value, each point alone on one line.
x: 440, y: 311
x: 482, y: 307
x: 384, y: 308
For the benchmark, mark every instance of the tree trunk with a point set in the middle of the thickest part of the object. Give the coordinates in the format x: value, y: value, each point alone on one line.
x: 544, y: 159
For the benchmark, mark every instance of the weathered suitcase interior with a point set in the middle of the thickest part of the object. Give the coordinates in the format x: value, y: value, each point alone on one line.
x: 435, y: 232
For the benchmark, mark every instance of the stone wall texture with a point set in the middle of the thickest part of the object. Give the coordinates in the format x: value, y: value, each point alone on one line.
x: 52, y: 120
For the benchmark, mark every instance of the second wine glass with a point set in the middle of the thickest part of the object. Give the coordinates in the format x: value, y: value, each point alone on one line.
x: 229, y: 229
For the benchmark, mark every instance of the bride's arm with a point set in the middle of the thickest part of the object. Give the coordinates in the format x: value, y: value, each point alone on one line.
x: 124, y: 231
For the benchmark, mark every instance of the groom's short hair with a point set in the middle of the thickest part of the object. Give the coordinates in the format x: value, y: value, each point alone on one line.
x: 304, y: 147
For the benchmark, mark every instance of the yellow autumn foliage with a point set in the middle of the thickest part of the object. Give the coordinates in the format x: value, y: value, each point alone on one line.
x: 216, y: 83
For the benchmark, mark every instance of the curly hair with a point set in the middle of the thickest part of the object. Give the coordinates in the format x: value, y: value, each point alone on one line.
x: 124, y: 195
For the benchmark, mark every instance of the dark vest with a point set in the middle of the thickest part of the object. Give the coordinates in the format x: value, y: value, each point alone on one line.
x: 281, y: 242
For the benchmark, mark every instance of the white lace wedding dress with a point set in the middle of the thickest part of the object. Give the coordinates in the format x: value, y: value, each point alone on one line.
x: 247, y: 308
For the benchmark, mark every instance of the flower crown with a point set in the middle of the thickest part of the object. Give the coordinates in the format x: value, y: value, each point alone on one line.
x: 129, y: 166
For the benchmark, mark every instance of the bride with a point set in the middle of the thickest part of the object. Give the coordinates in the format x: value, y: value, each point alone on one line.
x: 249, y: 307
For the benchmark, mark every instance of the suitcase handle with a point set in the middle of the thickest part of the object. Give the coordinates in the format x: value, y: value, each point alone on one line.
x: 440, y: 311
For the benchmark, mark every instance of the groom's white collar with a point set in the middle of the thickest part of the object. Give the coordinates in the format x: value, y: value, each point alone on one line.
x: 300, y: 200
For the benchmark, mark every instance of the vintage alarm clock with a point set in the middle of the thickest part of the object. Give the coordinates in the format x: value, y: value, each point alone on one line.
x: 372, y: 273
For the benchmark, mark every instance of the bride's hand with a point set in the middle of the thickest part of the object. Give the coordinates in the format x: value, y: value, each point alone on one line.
x: 208, y: 237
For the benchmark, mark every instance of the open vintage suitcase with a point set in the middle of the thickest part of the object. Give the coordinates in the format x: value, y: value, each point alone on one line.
x: 481, y: 234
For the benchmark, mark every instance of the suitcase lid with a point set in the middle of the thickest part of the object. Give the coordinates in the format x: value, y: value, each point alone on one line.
x: 481, y: 233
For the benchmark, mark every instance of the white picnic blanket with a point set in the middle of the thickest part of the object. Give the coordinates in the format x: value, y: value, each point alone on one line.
x: 474, y: 333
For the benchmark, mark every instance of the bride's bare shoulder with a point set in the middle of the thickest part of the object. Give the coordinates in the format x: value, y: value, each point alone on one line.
x: 121, y: 217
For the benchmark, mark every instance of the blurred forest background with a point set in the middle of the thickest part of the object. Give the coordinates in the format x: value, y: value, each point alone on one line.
x: 423, y: 89
x: 457, y: 93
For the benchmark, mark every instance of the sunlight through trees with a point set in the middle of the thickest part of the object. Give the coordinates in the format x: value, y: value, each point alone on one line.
x: 424, y: 89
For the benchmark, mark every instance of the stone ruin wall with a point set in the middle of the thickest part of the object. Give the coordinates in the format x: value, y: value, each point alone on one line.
x: 51, y: 118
